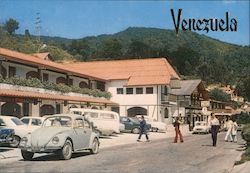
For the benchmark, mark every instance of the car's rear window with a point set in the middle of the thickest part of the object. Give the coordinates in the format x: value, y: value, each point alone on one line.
x: 91, y: 114
x: 107, y: 116
x: 25, y: 121
x: 36, y: 122
x: 17, y: 121
x: 56, y: 121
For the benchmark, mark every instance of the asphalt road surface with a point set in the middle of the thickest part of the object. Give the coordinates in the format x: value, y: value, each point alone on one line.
x: 195, y: 155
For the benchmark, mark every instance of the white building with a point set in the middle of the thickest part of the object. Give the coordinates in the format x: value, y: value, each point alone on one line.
x: 17, y: 100
x: 139, y: 86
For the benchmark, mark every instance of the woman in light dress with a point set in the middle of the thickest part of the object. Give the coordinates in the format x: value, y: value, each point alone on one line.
x: 228, y: 136
x: 234, y: 131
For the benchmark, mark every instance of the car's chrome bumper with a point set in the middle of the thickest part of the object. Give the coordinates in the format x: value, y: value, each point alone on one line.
x: 47, y: 149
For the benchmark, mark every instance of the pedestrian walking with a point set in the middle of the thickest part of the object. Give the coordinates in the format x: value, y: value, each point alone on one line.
x: 215, y: 125
x: 228, y: 136
x: 177, y: 130
x: 143, y: 129
x: 234, y: 131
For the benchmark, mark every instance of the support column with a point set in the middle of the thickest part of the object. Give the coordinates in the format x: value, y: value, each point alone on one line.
x: 67, y: 79
x: 1, y: 67
x: 89, y: 83
x: 39, y: 71
x: 0, y: 107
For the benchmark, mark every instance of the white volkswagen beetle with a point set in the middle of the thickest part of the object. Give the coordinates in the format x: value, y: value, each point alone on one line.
x: 63, y: 134
x: 201, y: 127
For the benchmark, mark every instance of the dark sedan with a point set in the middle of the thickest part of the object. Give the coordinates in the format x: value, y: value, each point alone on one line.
x: 6, y: 135
x: 132, y: 125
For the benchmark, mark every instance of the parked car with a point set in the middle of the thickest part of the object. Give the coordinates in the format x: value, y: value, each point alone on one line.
x: 6, y: 136
x: 107, y: 122
x: 132, y: 125
x: 156, y: 126
x: 201, y: 127
x: 33, y: 121
x: 62, y: 133
x: 20, y: 129
x: 122, y: 127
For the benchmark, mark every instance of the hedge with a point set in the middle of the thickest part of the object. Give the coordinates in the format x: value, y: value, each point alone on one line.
x: 34, y: 82
x: 246, y: 134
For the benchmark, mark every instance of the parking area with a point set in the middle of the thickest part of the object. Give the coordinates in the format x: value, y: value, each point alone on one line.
x: 8, y: 154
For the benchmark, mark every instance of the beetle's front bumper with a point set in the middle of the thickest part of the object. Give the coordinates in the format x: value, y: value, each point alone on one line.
x: 47, y: 149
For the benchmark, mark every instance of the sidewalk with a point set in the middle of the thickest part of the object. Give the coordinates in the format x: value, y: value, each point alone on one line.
x: 242, y: 168
x: 14, y: 154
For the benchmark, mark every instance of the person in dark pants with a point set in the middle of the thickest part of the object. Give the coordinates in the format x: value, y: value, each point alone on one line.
x: 143, y: 129
x: 215, y: 125
x: 177, y: 130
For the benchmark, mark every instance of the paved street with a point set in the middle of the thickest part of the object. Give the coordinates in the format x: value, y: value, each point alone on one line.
x: 195, y: 155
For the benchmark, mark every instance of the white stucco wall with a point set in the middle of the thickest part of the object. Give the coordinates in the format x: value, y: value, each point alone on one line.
x: 77, y: 80
x: 126, y: 101
x: 53, y: 75
x: 21, y: 70
x: 35, y: 110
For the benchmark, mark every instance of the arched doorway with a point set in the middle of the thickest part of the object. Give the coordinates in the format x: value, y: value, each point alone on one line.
x: 83, y: 85
x: 132, y: 112
x: 73, y: 106
x: 47, y: 110
x: 61, y: 80
x: 32, y: 74
x: 12, y: 109
x: 94, y: 107
x: 166, y: 113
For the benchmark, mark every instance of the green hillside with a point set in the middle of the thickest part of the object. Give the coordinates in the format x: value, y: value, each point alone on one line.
x: 30, y: 45
x: 192, y: 55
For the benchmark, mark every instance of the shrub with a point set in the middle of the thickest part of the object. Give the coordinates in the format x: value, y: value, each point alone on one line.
x: 34, y: 82
x: 246, y: 134
x: 242, y: 118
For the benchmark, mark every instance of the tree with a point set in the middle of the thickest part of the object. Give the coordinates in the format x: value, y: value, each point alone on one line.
x: 138, y: 49
x: 112, y: 49
x: 243, y: 87
x: 186, y: 60
x: 203, y: 71
x: 219, y: 95
x: 11, y: 26
x: 80, y: 47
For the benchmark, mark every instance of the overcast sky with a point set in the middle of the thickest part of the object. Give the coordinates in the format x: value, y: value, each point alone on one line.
x: 77, y: 19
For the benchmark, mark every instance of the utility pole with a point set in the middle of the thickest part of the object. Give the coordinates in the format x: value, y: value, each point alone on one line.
x: 38, y: 25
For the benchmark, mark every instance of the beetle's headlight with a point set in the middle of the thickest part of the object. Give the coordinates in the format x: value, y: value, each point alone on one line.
x: 55, y: 140
x: 24, y: 139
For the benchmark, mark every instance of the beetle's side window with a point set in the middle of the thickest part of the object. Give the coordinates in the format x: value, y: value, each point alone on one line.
x: 86, y: 124
x: 79, y: 123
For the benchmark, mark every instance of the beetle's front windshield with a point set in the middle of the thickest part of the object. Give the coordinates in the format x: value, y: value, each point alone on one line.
x: 57, y: 121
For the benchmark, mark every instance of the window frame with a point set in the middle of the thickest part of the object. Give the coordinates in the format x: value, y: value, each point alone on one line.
x: 149, y: 88
x: 119, y: 89
x: 127, y: 89
x: 139, y: 89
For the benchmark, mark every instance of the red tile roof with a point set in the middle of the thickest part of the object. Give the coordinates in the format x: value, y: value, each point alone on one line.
x: 44, y: 56
x: 25, y: 94
x: 32, y: 60
x: 152, y: 71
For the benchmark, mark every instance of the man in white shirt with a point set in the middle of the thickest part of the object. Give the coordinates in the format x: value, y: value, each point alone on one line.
x: 215, y: 125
